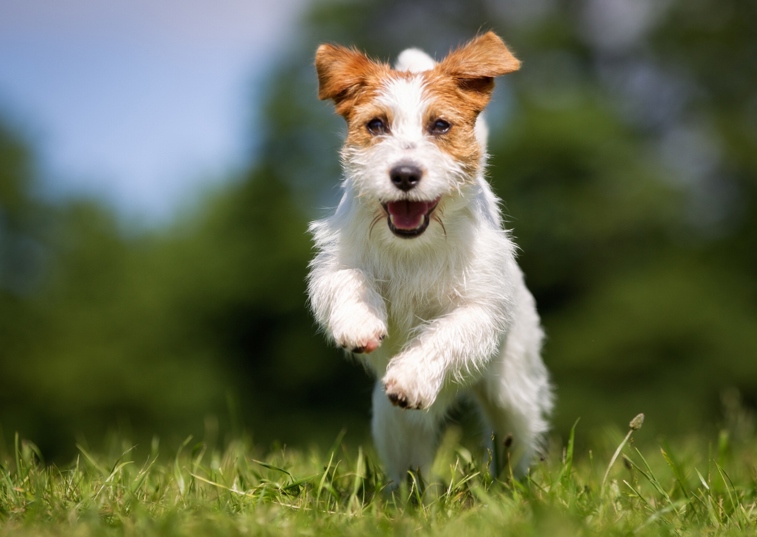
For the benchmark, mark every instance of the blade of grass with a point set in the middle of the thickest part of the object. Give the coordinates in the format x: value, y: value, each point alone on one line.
x: 567, y: 468
x: 677, y: 470
x: 635, y: 425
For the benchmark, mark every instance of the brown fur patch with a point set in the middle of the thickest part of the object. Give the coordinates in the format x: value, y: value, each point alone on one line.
x: 459, y: 88
x: 473, y: 67
x: 346, y: 76
x: 455, y: 106
x: 485, y: 56
x: 361, y: 113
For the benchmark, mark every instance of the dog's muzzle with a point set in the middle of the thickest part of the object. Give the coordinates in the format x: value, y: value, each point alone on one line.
x: 408, y: 219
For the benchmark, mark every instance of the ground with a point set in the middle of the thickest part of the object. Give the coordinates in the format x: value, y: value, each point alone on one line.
x: 702, y: 486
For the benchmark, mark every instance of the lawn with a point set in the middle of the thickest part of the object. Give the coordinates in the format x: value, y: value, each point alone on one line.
x: 702, y: 486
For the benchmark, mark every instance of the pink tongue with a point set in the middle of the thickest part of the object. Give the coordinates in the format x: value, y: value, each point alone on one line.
x: 408, y: 214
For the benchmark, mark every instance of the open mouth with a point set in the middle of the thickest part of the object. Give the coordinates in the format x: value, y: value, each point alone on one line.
x: 408, y: 219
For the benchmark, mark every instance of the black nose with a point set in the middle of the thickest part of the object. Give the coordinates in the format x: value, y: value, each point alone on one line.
x: 405, y: 176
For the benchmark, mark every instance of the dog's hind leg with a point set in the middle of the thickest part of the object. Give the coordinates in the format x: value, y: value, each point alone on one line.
x: 515, y: 403
x: 404, y: 439
x: 514, y: 392
x: 501, y: 428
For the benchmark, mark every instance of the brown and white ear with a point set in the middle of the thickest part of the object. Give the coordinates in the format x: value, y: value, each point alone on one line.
x: 342, y: 72
x: 484, y: 56
x: 475, y: 64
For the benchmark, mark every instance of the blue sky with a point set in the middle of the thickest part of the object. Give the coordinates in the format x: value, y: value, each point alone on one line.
x: 141, y: 103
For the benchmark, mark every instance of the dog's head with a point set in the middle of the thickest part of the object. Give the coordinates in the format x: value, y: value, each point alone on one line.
x: 411, y: 143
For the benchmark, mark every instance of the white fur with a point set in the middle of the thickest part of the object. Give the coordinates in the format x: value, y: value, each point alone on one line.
x: 414, y: 60
x: 448, y: 308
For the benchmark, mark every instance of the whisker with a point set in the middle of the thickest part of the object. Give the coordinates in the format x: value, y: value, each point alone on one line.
x: 438, y: 219
x: 375, y: 221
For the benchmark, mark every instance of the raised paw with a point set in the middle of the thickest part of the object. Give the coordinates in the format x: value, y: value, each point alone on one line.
x: 359, y: 334
x: 409, y: 389
x: 370, y: 346
x: 400, y: 400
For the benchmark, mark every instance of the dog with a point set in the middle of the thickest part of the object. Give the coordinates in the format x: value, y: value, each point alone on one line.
x: 414, y: 271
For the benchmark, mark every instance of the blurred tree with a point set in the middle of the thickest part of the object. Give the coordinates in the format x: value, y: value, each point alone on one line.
x: 163, y: 331
x: 21, y: 234
x: 625, y: 151
x: 248, y: 254
x: 19, y: 214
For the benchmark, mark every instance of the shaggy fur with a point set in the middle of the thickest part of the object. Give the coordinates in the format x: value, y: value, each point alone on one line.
x: 414, y: 271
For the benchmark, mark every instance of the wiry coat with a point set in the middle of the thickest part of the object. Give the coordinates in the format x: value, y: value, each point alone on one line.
x: 421, y: 278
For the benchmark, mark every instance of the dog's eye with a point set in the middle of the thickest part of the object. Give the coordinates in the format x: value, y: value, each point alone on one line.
x: 376, y: 126
x: 440, y: 126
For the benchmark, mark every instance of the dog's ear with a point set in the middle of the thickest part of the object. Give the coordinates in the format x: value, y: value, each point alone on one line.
x: 342, y: 73
x: 475, y: 64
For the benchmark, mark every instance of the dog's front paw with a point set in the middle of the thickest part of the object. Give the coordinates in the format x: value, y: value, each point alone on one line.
x: 407, y: 386
x: 369, y: 346
x: 359, y: 333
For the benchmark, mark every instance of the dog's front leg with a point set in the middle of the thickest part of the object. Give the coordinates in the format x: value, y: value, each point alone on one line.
x: 346, y: 304
x: 455, y: 346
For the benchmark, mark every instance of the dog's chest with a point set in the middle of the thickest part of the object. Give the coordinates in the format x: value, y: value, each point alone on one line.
x: 414, y: 297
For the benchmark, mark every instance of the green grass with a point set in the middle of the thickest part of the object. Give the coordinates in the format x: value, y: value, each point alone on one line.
x: 697, y: 488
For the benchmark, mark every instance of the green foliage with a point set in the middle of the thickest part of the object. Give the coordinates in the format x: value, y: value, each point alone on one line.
x: 164, y: 331
x: 627, y: 172
x: 241, y: 490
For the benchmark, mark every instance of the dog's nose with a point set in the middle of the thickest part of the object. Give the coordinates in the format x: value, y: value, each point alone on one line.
x: 405, y: 176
